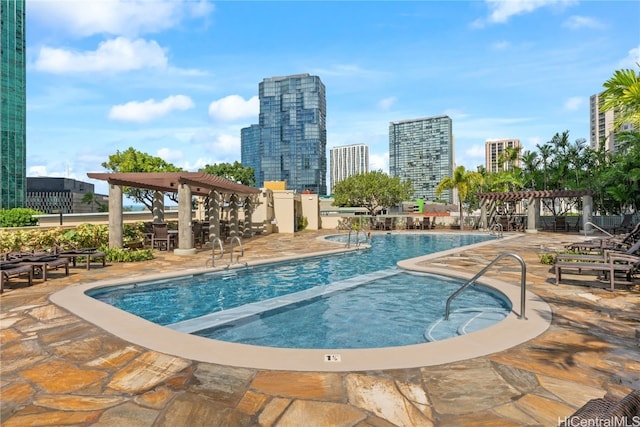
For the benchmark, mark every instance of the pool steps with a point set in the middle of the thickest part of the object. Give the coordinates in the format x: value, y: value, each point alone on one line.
x: 221, y: 318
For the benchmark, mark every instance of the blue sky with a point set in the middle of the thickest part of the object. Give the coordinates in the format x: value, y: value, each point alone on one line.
x: 179, y: 79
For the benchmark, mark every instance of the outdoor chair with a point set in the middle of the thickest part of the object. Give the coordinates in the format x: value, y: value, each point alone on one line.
x: 610, y: 263
x: 161, y: 237
x: 86, y: 254
x: 10, y: 269
x: 41, y: 262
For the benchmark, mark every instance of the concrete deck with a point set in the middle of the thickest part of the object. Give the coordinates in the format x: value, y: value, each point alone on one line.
x: 59, y: 369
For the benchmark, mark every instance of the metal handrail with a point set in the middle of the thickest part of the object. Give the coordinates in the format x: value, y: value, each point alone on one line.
x: 592, y: 224
x: 213, y: 251
x: 523, y: 284
x: 497, y: 227
x: 357, y: 242
x: 234, y: 239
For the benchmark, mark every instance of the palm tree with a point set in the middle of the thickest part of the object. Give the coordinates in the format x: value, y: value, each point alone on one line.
x: 464, y: 182
x: 622, y: 94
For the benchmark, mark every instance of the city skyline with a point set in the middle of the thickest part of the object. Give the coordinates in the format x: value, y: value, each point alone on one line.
x: 178, y: 80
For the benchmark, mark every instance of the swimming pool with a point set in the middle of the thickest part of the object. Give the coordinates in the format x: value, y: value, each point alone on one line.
x: 335, y: 301
x: 503, y: 335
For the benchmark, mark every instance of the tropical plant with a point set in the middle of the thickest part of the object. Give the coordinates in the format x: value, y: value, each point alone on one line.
x: 18, y: 217
x: 373, y: 190
x: 91, y: 199
x: 622, y: 95
x: 465, y: 182
x: 235, y: 172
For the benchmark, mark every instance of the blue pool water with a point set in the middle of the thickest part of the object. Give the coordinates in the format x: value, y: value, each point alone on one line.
x: 375, y: 304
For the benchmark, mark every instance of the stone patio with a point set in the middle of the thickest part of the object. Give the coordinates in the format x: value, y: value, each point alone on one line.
x: 58, y: 369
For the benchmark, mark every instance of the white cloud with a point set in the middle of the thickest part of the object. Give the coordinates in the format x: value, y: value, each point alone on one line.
x: 119, y: 54
x: 503, y: 10
x: 574, y: 103
x: 39, y: 170
x: 632, y: 60
x: 234, y: 107
x: 386, y: 103
x: 148, y: 110
x: 576, y: 22
x: 84, y: 18
x: 500, y: 45
x: 169, y: 155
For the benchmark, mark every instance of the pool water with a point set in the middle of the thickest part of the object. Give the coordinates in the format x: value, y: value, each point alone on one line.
x: 391, y: 308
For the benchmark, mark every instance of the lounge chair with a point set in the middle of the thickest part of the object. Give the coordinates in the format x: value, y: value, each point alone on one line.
x: 87, y: 254
x: 620, y: 241
x: 41, y: 262
x: 610, y: 263
x: 607, y: 411
x: 10, y: 269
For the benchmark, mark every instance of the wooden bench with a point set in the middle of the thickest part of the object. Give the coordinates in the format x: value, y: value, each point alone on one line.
x: 88, y: 257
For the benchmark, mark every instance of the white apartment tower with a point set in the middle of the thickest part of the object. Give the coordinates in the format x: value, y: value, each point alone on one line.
x: 601, y: 126
x: 347, y: 161
x: 494, y: 148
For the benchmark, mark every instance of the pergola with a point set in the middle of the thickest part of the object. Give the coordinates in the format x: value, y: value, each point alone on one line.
x: 185, y: 184
x: 533, y: 198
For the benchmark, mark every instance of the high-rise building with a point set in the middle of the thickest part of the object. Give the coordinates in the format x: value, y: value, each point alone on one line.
x: 289, y: 142
x: 421, y: 150
x: 13, y: 148
x: 495, y: 148
x: 601, y: 126
x: 347, y: 161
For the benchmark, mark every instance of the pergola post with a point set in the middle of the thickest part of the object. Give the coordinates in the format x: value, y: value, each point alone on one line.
x: 233, y: 215
x: 483, y: 215
x: 246, y: 232
x: 533, y: 214
x: 158, y: 207
x: 214, y: 215
x: 185, y: 230
x: 587, y: 207
x: 115, y: 216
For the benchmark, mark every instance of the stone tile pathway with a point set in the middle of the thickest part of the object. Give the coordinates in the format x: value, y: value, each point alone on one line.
x: 57, y: 369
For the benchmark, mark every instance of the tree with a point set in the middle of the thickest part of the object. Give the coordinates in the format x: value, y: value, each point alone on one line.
x: 622, y: 95
x: 465, y: 182
x: 132, y: 160
x: 91, y: 199
x: 373, y: 190
x: 235, y: 172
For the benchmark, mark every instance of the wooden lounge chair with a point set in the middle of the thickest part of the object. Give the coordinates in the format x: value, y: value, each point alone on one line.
x: 10, y: 269
x: 86, y: 254
x: 609, y: 264
x: 41, y: 262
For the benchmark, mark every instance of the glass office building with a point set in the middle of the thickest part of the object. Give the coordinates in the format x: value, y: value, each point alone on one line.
x: 13, y: 151
x: 421, y: 150
x: 289, y: 141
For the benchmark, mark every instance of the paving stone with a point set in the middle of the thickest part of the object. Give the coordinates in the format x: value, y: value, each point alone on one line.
x: 571, y: 393
x: 14, y: 395
x: 116, y: 359
x: 147, y: 371
x: 155, y: 399
x: 51, y: 418
x: 381, y: 397
x: 482, y: 419
x: 191, y: 409
x: 9, y: 321
x: 62, y: 377
x: 8, y: 367
x: 128, y: 415
x: 272, y: 411
x: 62, y: 330
x: 225, y: 384
x: 8, y: 335
x: 252, y: 402
x: 300, y: 385
x: 546, y: 412
x: 48, y: 312
x: 76, y: 403
x: 512, y: 413
x: 308, y: 413
x: 469, y: 386
x: 78, y: 350
x: 20, y: 349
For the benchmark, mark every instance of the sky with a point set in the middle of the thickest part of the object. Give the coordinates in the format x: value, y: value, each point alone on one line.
x: 178, y: 79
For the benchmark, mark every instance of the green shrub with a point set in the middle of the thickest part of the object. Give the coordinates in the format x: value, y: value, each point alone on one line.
x: 548, y: 259
x: 18, y: 217
x: 127, y: 255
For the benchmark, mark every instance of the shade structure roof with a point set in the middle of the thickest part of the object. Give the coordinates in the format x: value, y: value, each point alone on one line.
x: 201, y: 183
x: 534, y: 194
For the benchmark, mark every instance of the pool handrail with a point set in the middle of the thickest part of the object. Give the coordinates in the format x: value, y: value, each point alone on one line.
x: 523, y: 284
x: 213, y: 251
x: 595, y: 226
x: 235, y: 239
x: 497, y: 229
